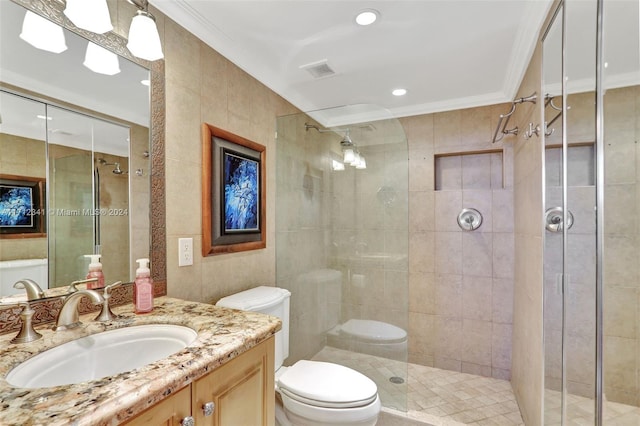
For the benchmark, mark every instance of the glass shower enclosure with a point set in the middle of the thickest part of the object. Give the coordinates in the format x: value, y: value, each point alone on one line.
x: 342, y: 243
x: 591, y: 76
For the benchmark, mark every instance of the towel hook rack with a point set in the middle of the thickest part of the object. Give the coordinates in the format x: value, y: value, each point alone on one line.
x: 502, y: 128
x: 549, y: 101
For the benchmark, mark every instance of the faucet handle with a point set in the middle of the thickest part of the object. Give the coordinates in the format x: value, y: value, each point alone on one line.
x: 72, y: 286
x: 105, y: 313
x: 27, y: 333
x: 108, y: 288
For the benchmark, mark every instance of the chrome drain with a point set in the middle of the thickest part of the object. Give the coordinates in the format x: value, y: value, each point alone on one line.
x: 396, y: 380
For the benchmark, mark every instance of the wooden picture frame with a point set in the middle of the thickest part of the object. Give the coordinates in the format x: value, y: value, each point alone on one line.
x: 233, y: 193
x: 22, y: 207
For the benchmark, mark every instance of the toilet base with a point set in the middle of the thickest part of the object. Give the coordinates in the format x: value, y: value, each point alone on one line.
x: 324, y: 416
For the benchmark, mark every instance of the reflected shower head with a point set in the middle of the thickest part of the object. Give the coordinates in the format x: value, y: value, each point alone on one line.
x: 118, y: 170
x: 346, y: 140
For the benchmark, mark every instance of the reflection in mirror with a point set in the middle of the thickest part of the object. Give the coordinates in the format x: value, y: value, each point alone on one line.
x: 92, y: 150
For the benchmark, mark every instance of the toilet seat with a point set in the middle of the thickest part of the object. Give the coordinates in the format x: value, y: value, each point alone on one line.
x: 327, y: 385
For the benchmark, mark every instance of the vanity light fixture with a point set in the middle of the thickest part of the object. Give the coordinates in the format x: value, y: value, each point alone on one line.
x: 144, y: 40
x: 367, y: 17
x: 399, y: 92
x: 90, y: 15
x: 42, y: 33
x: 100, y: 60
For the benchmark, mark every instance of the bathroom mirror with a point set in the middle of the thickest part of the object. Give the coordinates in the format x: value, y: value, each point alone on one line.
x: 73, y: 98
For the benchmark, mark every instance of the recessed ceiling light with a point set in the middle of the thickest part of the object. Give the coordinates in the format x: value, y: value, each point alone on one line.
x: 367, y: 17
x: 399, y: 92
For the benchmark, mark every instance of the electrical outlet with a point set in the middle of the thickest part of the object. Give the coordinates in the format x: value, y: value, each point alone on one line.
x: 185, y: 251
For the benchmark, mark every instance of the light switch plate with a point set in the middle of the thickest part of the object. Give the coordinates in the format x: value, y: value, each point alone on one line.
x: 185, y: 251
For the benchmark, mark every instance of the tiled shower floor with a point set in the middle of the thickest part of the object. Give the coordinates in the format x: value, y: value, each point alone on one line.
x: 433, y: 396
x: 580, y: 411
x: 448, y: 398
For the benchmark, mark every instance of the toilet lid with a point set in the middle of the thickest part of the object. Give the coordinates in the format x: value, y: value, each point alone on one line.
x: 373, y: 331
x: 324, y: 384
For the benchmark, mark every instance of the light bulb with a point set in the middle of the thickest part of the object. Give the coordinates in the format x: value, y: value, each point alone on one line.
x: 349, y: 156
x: 362, y: 164
x: 144, y: 40
x: 42, y: 33
x: 100, y: 60
x: 90, y: 15
x: 356, y: 159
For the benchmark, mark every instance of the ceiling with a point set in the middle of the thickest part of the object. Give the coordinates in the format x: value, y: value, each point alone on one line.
x: 448, y: 54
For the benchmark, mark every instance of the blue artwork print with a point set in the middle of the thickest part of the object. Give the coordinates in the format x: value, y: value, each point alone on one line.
x: 241, y: 193
x: 16, y: 205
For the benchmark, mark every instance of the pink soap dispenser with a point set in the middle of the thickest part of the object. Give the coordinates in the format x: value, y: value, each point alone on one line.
x: 95, y: 271
x: 143, y: 288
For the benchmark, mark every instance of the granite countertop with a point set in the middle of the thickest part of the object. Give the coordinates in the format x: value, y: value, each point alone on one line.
x: 222, y: 335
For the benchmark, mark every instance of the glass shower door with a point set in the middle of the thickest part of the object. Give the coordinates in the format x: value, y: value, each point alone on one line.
x: 71, y: 195
x: 342, y: 244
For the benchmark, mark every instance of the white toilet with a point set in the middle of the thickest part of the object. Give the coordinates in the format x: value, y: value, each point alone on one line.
x: 313, y: 393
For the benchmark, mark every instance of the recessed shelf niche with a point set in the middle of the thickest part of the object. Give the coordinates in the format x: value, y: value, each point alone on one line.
x: 469, y: 170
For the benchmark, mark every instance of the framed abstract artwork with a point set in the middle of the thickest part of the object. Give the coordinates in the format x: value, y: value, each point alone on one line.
x: 233, y: 193
x: 22, y: 210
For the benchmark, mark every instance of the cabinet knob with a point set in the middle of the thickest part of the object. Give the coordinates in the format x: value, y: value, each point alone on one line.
x: 208, y: 408
x: 188, y: 421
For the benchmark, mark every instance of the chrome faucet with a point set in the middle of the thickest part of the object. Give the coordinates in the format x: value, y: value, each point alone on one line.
x: 33, y: 289
x: 106, y: 314
x: 68, y: 315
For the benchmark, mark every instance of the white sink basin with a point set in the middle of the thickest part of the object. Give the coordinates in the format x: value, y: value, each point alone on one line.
x: 101, y: 355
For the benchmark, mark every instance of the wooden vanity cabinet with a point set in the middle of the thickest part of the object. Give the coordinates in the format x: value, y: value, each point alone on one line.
x: 241, y: 390
x: 168, y: 412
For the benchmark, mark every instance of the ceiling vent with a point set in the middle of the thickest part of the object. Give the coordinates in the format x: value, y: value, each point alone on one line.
x: 319, y: 69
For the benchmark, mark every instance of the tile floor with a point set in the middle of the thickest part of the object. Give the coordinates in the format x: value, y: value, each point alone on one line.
x: 447, y: 398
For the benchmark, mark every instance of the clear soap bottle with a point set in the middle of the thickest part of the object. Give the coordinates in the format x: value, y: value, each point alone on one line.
x: 95, y: 271
x: 143, y: 288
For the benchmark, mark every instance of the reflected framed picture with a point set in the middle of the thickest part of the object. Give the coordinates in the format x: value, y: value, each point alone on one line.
x: 22, y: 212
x: 233, y: 193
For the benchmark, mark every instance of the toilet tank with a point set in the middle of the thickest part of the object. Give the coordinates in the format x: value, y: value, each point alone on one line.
x: 272, y: 301
x: 326, y: 286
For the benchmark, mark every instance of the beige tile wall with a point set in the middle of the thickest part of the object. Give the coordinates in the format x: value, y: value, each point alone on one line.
x: 527, y: 344
x: 202, y: 86
x: 460, y: 283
